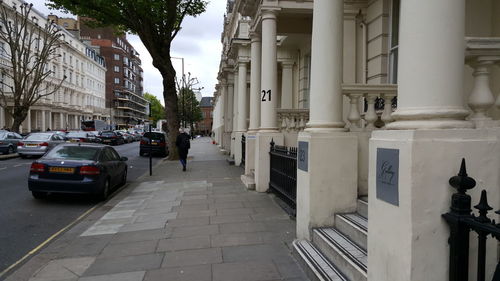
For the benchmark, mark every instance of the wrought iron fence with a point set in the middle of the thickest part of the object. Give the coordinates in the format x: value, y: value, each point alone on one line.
x: 243, y: 149
x: 283, y: 174
x: 462, y: 220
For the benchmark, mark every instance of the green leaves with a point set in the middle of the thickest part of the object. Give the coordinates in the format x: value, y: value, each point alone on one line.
x: 157, y: 110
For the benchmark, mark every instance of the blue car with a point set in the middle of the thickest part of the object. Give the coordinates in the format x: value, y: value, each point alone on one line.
x: 78, y: 168
x: 9, y: 141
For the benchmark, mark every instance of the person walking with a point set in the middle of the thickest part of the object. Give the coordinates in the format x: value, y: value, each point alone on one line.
x: 183, y: 146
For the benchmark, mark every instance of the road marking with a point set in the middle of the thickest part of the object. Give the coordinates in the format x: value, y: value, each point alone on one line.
x: 18, y: 165
x: 3, y: 168
x: 47, y: 241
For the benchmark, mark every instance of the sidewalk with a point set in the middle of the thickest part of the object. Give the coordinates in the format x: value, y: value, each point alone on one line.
x: 195, y: 226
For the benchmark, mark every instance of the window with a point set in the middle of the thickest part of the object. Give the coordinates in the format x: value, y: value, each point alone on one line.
x: 117, y: 68
x: 116, y: 57
x: 394, y: 43
x: 117, y: 81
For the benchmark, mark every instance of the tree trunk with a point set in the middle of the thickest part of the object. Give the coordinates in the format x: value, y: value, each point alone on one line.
x: 170, y: 98
x: 19, y: 115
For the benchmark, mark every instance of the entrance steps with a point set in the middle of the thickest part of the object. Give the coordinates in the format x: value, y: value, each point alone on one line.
x: 339, y: 252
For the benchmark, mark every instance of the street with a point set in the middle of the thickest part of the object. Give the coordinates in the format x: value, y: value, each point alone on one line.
x: 26, y: 222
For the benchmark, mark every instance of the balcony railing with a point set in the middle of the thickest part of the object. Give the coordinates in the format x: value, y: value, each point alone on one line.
x: 293, y: 120
x: 377, y: 109
x: 481, y: 54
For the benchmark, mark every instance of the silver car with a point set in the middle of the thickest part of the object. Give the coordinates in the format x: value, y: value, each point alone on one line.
x: 8, y: 141
x: 38, y: 143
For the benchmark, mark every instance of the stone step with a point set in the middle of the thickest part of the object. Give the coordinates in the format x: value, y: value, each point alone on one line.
x: 353, y: 226
x: 314, y: 263
x: 348, y: 257
x: 248, y: 181
x: 363, y: 206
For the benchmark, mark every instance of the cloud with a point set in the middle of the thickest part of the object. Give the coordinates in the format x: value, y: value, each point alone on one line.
x: 198, y: 43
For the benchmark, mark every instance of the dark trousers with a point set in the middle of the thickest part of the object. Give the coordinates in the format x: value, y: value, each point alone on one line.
x: 183, y: 157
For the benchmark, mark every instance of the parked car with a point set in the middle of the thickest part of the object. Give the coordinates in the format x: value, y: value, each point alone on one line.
x: 126, y: 136
x: 9, y: 141
x: 158, y: 144
x: 112, y: 138
x: 38, y: 143
x: 81, y: 136
x: 78, y: 168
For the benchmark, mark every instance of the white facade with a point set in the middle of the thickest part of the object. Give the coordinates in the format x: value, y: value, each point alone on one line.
x: 318, y: 73
x: 82, y: 94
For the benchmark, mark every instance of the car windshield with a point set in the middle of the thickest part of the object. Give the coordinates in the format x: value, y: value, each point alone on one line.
x: 73, y: 153
x: 154, y: 136
x: 107, y: 134
x: 76, y: 135
x: 38, y: 137
x: 3, y: 135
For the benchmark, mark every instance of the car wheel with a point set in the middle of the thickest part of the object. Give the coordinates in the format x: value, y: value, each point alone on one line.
x: 10, y: 150
x: 124, y: 178
x: 105, y: 190
x: 39, y: 194
x: 141, y: 153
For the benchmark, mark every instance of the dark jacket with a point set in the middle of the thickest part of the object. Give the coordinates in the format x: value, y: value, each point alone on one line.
x: 183, y: 144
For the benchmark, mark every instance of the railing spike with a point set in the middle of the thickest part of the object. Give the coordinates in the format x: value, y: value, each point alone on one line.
x: 483, y: 208
x: 462, y: 181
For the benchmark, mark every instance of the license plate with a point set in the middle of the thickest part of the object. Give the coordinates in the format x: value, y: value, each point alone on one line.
x: 31, y: 144
x: 154, y: 143
x: 74, y: 140
x: 106, y: 140
x: 63, y: 170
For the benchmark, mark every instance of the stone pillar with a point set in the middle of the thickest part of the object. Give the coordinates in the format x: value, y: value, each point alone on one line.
x: 428, y: 150
x: 229, y: 111
x: 255, y: 99
x: 44, y: 126
x: 234, y: 116
x: 287, y: 85
x: 77, y: 122
x: 439, y: 102
x: 269, y: 78
x: 268, y: 101
x: 61, y: 121
x: 50, y: 121
x: 327, y: 184
x: 2, y: 117
x: 242, y: 111
x: 221, y: 108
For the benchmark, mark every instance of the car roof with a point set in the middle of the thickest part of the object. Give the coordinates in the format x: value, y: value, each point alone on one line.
x: 84, y: 144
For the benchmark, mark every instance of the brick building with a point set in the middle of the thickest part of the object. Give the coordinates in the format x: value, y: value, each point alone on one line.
x: 124, y: 75
x: 204, y: 126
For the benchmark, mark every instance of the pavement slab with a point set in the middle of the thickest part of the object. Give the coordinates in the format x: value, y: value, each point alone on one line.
x: 198, y: 225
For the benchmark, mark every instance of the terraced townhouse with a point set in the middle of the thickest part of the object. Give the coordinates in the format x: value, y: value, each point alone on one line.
x: 344, y: 108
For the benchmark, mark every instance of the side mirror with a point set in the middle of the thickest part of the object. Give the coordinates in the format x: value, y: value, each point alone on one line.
x: 123, y: 159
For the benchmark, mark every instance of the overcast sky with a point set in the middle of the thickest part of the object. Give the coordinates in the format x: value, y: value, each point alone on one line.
x: 198, y: 43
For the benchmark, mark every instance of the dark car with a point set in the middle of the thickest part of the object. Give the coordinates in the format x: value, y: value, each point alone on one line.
x: 9, y: 141
x: 78, y: 168
x: 158, y: 144
x: 110, y: 137
x: 81, y: 136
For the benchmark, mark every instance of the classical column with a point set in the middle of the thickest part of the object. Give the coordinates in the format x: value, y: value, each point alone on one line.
x: 234, y: 115
x: 326, y: 67
x: 50, y: 121
x: 222, y: 111
x: 61, y: 121
x: 44, y: 126
x: 255, y: 68
x: 242, y: 96
x: 28, y: 121
x: 430, y: 94
x: 268, y: 97
x: 269, y: 78
x: 229, y: 109
x: 325, y: 138
x: 287, y: 84
x: 2, y: 117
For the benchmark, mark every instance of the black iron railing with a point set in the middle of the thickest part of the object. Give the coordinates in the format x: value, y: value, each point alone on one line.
x: 462, y: 220
x: 243, y: 150
x: 283, y: 174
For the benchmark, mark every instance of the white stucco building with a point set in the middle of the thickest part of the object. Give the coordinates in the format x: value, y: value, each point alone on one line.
x: 316, y: 74
x: 82, y: 94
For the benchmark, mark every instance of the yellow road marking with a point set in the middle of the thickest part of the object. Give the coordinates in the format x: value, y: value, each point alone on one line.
x: 47, y: 241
